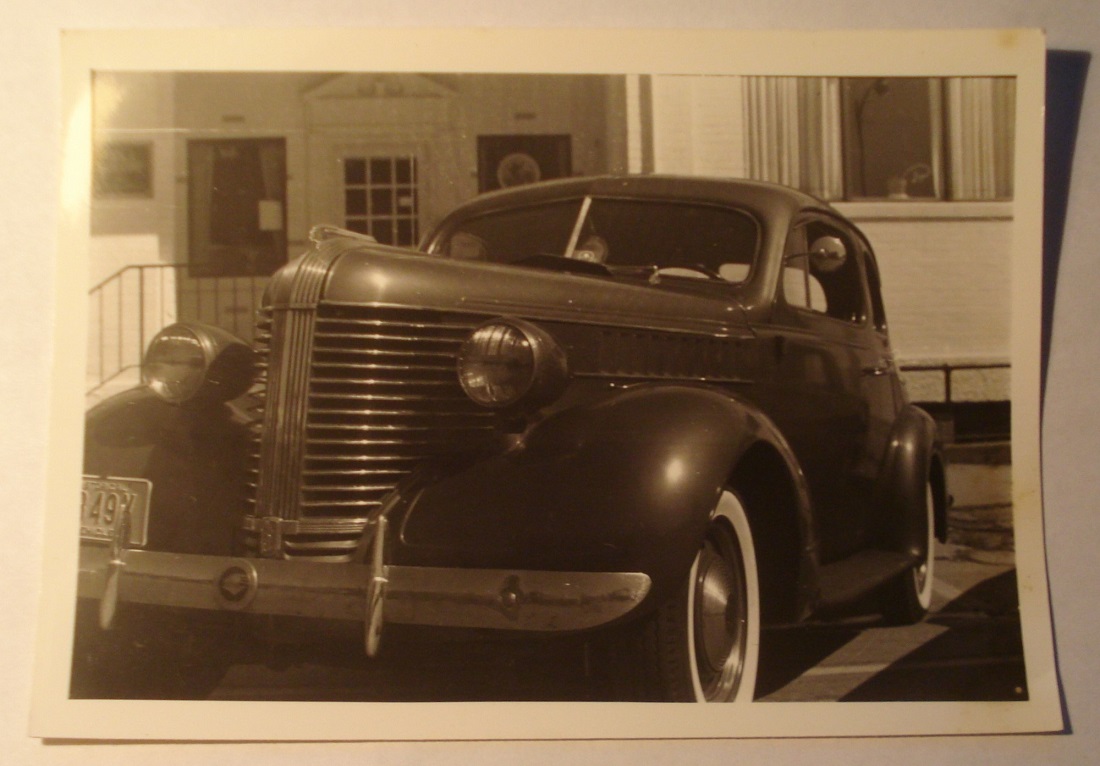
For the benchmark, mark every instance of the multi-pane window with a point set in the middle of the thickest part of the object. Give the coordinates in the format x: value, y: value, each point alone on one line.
x: 899, y: 138
x: 381, y: 198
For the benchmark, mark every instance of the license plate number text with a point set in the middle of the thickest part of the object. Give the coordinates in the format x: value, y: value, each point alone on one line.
x: 105, y: 501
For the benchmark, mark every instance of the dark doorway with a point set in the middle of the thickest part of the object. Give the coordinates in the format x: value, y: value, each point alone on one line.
x: 514, y: 160
x: 236, y: 207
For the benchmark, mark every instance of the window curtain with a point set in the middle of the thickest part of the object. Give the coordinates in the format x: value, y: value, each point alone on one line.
x: 271, y: 169
x: 793, y: 133
x: 980, y: 136
x: 200, y: 191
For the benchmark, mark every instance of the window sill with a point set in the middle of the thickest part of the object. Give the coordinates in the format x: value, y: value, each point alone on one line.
x: 920, y: 210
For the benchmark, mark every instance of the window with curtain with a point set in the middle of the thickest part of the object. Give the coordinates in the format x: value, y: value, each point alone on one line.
x: 793, y: 132
x: 883, y: 137
x: 981, y: 136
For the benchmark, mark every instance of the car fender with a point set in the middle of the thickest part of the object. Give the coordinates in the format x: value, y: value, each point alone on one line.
x: 913, y: 459
x: 625, y: 484
x: 194, y: 457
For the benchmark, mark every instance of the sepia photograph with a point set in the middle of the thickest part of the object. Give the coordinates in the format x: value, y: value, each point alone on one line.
x: 662, y: 383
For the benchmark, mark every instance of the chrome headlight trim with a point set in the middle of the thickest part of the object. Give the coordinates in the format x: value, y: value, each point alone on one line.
x: 190, y: 362
x: 510, y: 363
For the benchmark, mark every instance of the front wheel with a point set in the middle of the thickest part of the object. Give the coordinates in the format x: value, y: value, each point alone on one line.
x: 703, y: 645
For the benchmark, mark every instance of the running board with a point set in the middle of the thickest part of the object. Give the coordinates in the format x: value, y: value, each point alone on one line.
x: 846, y: 581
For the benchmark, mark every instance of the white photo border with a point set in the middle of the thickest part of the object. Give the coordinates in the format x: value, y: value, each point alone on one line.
x: 1018, y: 53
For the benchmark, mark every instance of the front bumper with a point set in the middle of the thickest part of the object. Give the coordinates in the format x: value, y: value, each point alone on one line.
x: 521, y: 600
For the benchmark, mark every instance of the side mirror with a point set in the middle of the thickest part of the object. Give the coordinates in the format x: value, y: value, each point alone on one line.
x: 827, y: 254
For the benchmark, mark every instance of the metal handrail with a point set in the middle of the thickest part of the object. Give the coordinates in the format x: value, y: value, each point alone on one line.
x: 131, y: 267
x: 948, y: 368
x: 144, y: 302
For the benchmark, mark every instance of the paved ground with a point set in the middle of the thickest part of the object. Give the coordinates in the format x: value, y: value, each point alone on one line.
x: 969, y: 648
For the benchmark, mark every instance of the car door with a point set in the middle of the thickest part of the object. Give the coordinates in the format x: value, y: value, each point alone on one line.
x: 830, y: 376
x: 880, y: 383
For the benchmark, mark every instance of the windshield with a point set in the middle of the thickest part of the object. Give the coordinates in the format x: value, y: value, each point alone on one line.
x: 687, y: 239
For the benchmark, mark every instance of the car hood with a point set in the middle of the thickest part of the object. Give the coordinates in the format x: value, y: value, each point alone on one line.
x: 383, y: 275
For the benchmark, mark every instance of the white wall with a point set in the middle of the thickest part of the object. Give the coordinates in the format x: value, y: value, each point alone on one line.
x: 135, y: 107
x: 131, y: 230
x: 946, y: 285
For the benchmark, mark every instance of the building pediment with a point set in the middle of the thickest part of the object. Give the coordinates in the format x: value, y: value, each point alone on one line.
x: 359, y: 85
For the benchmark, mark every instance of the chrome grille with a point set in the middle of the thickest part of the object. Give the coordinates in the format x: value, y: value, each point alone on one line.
x: 383, y: 396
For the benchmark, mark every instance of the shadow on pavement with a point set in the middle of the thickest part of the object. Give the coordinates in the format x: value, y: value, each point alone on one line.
x: 416, y: 669
x: 786, y: 654
x: 979, y: 657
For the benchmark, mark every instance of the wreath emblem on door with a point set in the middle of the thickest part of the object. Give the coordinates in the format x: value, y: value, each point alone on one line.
x: 518, y: 168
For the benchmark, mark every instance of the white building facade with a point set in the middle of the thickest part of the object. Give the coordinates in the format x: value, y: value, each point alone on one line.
x: 214, y: 179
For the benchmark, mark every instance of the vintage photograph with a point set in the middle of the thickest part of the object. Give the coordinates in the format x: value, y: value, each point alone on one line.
x: 425, y: 386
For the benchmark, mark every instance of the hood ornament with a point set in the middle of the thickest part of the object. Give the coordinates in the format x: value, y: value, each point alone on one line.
x: 326, y: 231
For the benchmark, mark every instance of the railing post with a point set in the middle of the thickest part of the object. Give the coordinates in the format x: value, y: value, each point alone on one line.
x: 100, y: 337
x: 141, y: 312
x: 118, y: 304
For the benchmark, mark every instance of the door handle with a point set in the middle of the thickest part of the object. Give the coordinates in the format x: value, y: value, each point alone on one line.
x: 877, y: 370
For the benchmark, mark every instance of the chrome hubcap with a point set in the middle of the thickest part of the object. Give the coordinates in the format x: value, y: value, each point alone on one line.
x: 922, y: 575
x: 719, y: 617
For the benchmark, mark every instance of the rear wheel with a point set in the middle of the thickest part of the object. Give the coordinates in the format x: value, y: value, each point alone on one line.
x: 909, y: 597
x: 703, y: 644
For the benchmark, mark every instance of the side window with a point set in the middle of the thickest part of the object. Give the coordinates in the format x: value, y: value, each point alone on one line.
x: 802, y: 289
x: 878, y: 310
x: 832, y: 289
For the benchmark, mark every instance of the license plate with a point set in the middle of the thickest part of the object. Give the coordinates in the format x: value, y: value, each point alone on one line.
x: 105, y: 500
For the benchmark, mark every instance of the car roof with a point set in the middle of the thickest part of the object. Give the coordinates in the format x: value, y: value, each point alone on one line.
x: 760, y: 196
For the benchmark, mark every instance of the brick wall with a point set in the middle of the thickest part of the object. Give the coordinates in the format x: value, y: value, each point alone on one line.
x: 946, y: 284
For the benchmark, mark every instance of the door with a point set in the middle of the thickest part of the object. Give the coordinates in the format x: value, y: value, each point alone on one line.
x: 236, y: 206
x: 236, y: 227
x: 834, y: 380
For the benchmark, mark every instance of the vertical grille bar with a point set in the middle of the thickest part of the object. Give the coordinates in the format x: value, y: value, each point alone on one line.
x: 286, y: 401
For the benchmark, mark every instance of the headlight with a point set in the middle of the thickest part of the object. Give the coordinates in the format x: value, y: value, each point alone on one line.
x: 509, y: 362
x: 189, y: 362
